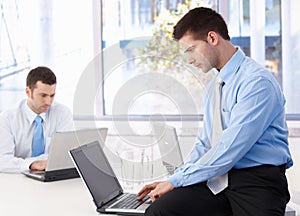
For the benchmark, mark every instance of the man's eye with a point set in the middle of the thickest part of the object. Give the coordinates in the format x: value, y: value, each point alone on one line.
x: 190, y: 49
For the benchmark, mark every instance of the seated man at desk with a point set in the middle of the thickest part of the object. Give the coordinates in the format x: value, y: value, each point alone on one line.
x: 25, y: 131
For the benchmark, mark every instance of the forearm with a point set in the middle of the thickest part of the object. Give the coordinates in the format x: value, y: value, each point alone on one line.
x: 10, y: 164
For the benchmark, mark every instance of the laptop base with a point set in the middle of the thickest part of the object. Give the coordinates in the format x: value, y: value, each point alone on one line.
x: 61, y: 174
x: 56, y: 175
x: 102, y: 211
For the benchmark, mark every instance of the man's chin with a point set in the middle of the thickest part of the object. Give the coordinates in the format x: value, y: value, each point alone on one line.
x: 44, y: 110
x: 206, y: 70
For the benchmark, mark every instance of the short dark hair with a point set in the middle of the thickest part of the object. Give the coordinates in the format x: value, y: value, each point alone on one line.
x: 199, y: 21
x: 43, y: 74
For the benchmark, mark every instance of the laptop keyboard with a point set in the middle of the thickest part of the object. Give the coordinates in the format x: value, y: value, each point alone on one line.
x: 128, y: 202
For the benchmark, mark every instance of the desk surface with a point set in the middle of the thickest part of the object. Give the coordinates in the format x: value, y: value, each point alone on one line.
x: 20, y: 195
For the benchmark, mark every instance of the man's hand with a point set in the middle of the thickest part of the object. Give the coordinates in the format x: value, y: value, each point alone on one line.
x: 155, y: 190
x: 38, y: 165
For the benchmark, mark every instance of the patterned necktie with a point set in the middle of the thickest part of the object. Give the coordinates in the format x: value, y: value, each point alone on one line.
x: 38, y: 146
x: 218, y: 183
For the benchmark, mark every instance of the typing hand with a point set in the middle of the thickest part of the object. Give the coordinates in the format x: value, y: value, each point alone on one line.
x: 160, y: 189
x: 38, y: 165
x: 146, y: 190
x: 155, y: 190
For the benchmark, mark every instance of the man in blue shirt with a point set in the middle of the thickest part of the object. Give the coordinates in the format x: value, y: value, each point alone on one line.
x: 253, y: 150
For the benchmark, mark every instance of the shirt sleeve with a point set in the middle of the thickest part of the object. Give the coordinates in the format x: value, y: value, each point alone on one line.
x: 8, y: 162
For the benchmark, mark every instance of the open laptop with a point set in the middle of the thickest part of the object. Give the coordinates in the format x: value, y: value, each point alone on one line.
x: 102, y: 183
x: 168, y: 145
x: 59, y: 164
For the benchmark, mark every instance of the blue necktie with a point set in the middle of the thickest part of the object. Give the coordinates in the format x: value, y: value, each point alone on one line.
x: 38, y: 146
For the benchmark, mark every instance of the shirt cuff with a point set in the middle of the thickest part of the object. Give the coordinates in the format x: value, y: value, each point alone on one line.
x: 26, y: 163
x: 176, y: 179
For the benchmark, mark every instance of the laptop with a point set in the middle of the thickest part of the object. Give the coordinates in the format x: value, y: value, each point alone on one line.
x: 102, y: 183
x: 168, y: 146
x: 59, y: 164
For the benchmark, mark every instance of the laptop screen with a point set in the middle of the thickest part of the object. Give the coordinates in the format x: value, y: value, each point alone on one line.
x: 168, y: 144
x: 96, y: 172
x: 62, y: 142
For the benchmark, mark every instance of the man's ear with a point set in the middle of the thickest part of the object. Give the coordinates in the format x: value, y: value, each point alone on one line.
x: 212, y: 37
x: 28, y: 91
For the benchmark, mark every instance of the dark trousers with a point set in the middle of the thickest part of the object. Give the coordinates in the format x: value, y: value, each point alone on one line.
x: 257, y: 191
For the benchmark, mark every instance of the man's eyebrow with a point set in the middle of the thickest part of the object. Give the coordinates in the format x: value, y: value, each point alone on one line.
x: 188, y: 49
x: 42, y: 93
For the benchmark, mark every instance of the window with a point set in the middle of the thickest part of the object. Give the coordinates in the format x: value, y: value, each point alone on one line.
x: 132, y: 87
x: 261, y: 27
x: 51, y: 33
x: 141, y: 68
x: 144, y: 72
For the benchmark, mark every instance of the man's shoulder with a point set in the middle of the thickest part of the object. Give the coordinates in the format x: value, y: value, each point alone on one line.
x: 16, y: 109
x: 57, y: 107
x: 253, y: 69
x: 61, y: 116
x: 13, y: 114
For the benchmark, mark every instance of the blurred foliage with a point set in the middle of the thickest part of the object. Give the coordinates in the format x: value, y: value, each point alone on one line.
x: 162, y: 52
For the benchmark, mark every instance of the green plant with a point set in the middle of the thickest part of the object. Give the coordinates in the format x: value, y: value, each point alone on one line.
x: 162, y: 52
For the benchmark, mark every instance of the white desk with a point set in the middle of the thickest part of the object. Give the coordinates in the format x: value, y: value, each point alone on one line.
x: 20, y: 195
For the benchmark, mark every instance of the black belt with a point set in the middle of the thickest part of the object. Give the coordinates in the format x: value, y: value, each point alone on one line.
x: 282, y: 167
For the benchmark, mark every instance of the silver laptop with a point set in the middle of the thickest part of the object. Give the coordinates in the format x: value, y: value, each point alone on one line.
x: 168, y: 145
x: 102, y: 183
x: 59, y: 165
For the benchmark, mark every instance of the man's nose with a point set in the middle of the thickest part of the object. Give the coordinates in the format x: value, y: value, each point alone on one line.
x: 48, y: 100
x: 190, y: 60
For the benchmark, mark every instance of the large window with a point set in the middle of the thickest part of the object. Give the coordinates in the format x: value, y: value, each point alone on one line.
x: 140, y: 71
x: 144, y: 73
x: 54, y: 33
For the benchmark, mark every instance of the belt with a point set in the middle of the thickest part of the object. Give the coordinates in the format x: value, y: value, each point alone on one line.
x: 282, y: 167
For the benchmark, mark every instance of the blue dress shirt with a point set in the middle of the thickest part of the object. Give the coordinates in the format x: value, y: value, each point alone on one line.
x: 254, y: 126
